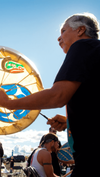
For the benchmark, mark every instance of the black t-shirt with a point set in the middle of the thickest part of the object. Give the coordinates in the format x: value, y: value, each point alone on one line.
x: 82, y: 63
x: 55, y: 164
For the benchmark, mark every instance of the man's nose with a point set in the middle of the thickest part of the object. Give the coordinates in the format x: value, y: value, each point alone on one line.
x: 59, y: 38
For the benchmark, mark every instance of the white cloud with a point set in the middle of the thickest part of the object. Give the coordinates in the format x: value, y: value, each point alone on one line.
x: 26, y: 140
x: 62, y: 136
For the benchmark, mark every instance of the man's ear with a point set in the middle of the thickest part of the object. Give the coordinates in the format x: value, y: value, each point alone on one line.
x: 52, y: 142
x: 81, y: 30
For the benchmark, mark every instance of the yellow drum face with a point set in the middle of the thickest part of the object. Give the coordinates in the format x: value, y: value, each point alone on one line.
x: 19, y: 78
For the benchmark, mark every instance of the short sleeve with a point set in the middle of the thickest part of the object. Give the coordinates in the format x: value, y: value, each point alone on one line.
x: 76, y: 66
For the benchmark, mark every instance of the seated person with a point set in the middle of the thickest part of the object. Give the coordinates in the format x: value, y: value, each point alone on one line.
x: 55, y: 162
x: 41, y: 158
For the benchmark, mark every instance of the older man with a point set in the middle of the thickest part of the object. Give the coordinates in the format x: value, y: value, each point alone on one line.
x: 76, y: 86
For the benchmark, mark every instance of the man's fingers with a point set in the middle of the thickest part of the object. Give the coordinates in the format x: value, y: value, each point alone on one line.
x: 58, y: 122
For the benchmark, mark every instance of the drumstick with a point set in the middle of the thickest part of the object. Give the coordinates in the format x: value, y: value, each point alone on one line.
x: 68, y: 173
x: 44, y: 116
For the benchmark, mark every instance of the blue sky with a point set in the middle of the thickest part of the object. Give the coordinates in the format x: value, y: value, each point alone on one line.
x: 32, y: 28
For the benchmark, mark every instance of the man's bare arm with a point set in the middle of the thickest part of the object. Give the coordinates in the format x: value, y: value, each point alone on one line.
x: 58, y: 96
x: 47, y: 164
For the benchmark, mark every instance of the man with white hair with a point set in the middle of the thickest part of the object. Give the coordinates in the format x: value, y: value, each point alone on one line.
x: 77, y: 87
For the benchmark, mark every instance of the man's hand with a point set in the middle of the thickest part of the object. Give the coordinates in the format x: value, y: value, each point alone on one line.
x: 58, y: 122
x: 3, y: 98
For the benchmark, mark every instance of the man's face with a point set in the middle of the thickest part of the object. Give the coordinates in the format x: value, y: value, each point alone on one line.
x: 67, y: 38
x: 55, y: 146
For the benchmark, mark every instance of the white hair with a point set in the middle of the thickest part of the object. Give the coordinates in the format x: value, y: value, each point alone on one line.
x: 86, y: 19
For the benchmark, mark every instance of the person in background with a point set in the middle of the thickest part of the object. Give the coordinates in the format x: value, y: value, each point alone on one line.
x: 55, y: 162
x: 41, y: 158
x: 11, y: 164
x: 52, y: 130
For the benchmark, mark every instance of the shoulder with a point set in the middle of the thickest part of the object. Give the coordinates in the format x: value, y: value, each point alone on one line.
x: 44, y: 156
x: 44, y: 152
x: 87, y: 41
x: 47, y: 152
x: 83, y: 49
x: 85, y: 44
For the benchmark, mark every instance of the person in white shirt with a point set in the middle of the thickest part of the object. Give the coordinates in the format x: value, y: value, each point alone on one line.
x: 41, y: 158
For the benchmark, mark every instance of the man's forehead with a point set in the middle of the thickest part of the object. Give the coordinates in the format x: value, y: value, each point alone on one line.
x: 65, y: 26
